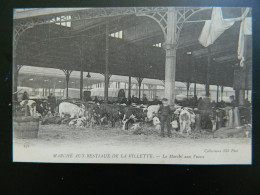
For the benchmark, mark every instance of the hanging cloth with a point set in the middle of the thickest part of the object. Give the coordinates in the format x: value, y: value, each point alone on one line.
x: 245, y: 29
x: 214, y: 28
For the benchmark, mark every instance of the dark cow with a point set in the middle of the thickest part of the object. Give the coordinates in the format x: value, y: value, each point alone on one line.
x: 112, y: 112
x: 132, y: 115
x: 42, y: 107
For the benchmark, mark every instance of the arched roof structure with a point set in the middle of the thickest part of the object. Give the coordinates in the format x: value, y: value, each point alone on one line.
x: 74, y: 38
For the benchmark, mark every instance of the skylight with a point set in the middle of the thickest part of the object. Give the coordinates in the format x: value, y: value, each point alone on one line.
x: 158, y: 45
x: 118, y: 34
x: 62, y: 20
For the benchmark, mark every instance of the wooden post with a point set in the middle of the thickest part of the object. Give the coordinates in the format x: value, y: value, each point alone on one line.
x: 106, y: 63
x: 170, y: 61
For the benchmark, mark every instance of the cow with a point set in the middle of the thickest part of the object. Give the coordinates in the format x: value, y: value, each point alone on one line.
x: 93, y: 114
x: 73, y: 110
x: 133, y: 114
x: 175, y: 125
x: 42, y: 107
x: 29, y: 106
x: 111, y: 113
x: 79, y: 122
x: 186, y: 120
x: 157, y: 123
x: 152, y: 111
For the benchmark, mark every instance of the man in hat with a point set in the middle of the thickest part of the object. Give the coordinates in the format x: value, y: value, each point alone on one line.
x: 165, y: 117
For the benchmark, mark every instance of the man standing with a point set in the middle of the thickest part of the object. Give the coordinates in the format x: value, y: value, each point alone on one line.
x: 165, y: 117
x: 52, y: 102
x: 25, y: 96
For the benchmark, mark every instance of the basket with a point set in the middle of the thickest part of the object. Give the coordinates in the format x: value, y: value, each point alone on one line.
x: 25, y: 127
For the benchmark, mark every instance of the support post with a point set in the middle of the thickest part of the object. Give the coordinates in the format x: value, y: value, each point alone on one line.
x: 208, y: 72
x: 195, y: 89
x: 81, y: 83
x: 241, y: 97
x: 217, y: 93
x: 129, y: 88
x: 170, y: 61
x: 54, y: 87
x: 139, y: 80
x: 67, y: 75
x: 188, y: 87
x: 67, y: 86
x: 106, y: 63
x: 222, y: 91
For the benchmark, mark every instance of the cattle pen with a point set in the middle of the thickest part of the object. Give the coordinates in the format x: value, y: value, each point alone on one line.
x: 98, y: 82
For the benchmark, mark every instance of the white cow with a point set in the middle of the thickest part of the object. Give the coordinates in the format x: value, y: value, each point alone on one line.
x: 186, y: 119
x: 152, y: 111
x: 175, y: 124
x: 73, y: 110
x: 29, y: 104
x: 157, y: 123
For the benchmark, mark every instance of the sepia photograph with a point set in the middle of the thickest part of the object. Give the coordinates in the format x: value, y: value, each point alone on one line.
x: 135, y: 85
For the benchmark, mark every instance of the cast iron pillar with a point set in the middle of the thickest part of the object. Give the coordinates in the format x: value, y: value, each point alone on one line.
x: 208, y: 72
x: 67, y: 73
x: 188, y: 88
x: 106, y: 64
x: 139, y: 80
x: 195, y: 89
x: 129, y: 88
x: 170, y: 62
x: 81, y: 83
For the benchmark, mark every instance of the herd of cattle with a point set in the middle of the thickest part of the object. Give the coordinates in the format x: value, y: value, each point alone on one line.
x: 89, y: 114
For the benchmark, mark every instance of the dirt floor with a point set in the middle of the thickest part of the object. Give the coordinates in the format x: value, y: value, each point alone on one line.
x: 65, y: 139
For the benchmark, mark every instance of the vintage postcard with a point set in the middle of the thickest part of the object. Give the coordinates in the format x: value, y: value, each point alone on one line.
x: 146, y: 85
